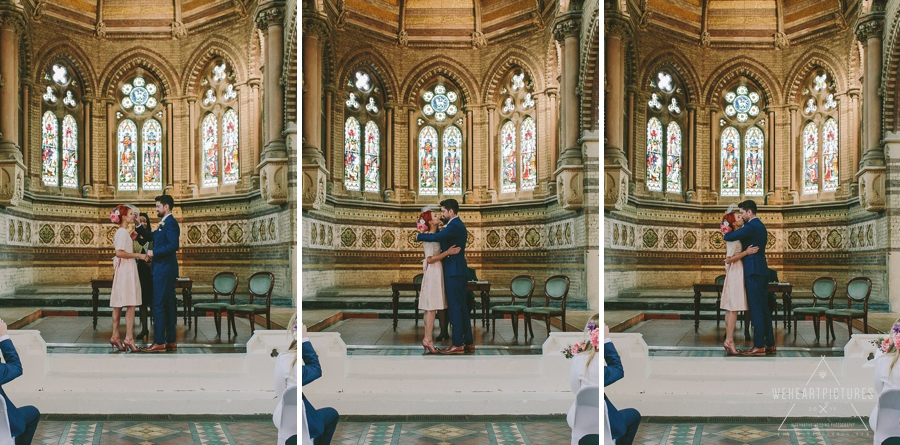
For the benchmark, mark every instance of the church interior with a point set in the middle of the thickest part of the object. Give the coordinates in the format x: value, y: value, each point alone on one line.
x: 115, y: 102
x: 791, y: 104
x: 406, y: 104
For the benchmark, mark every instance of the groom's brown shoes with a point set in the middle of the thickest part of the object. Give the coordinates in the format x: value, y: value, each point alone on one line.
x: 171, y: 347
x: 454, y: 350
x: 154, y: 348
x: 470, y: 349
x: 754, y: 352
x: 770, y: 350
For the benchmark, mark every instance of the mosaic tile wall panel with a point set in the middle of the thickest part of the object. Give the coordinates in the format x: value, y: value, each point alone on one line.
x: 323, y: 235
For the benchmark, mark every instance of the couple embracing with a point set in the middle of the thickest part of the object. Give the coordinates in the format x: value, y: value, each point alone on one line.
x: 746, y: 278
x: 444, y: 276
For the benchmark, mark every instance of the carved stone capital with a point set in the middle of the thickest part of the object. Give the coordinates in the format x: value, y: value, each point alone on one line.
x: 178, y: 30
x: 618, y: 25
x: 570, y: 186
x: 781, y: 40
x: 478, y: 40
x: 403, y: 39
x: 567, y: 28
x: 314, y: 27
x: 100, y: 30
x: 13, y: 20
x: 12, y: 182
x: 273, y: 183
x: 313, y: 186
x: 705, y: 41
x: 270, y: 17
x: 615, y: 193
x: 871, y: 188
x: 869, y: 26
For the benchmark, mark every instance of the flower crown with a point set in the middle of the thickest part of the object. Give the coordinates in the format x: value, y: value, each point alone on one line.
x: 114, y: 216
x: 421, y: 225
x: 593, y: 334
x: 891, y: 343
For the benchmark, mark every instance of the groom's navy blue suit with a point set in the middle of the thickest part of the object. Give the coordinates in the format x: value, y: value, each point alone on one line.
x: 455, y: 270
x: 165, y: 270
x: 756, y: 273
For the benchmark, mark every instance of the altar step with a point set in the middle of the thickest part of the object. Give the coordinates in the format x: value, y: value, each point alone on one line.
x: 675, y: 304
x: 382, y: 303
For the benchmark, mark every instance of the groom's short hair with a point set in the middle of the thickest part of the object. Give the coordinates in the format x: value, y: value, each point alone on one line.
x: 748, y: 205
x: 451, y: 204
x: 166, y: 200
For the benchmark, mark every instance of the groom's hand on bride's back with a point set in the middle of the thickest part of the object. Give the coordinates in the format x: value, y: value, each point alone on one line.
x: 454, y: 250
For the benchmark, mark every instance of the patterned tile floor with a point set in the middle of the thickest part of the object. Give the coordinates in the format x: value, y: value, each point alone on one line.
x: 473, y: 432
x: 664, y: 433
x: 87, y: 432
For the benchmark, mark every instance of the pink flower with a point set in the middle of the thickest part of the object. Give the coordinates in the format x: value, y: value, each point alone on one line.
x: 114, y: 216
x: 577, y: 348
x: 421, y: 226
x: 896, y: 341
x: 595, y: 338
x: 886, y: 345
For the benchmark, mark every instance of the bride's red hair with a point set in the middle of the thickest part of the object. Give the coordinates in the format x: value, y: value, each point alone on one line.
x: 729, y: 218
x: 426, y: 216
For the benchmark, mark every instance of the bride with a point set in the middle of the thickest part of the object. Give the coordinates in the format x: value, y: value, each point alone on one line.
x: 431, y: 296
x: 734, y: 295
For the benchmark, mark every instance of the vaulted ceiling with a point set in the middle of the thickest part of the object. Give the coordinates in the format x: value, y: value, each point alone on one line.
x: 747, y: 21
x: 441, y: 22
x: 137, y: 16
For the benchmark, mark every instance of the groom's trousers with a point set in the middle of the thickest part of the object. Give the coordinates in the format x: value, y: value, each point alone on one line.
x: 760, y: 315
x: 455, y: 288
x: 164, y: 309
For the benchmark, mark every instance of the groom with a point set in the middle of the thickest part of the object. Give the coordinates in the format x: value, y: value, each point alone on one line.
x: 455, y: 281
x: 165, y: 270
x: 756, y: 273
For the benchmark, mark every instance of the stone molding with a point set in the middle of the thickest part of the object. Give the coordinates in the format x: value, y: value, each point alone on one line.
x: 271, y: 17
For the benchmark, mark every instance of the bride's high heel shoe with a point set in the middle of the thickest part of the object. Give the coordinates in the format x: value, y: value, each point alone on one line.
x: 429, y: 348
x: 116, y: 346
x: 129, y: 345
x: 730, y: 350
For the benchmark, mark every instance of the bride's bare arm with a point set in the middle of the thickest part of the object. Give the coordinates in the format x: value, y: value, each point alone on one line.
x: 435, y: 258
x: 750, y: 251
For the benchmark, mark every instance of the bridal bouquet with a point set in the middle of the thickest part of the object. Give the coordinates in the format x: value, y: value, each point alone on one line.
x: 594, y: 339
x: 889, y: 343
x: 572, y: 350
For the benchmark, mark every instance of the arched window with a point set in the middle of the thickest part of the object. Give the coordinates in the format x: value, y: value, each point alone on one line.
x: 62, y: 115
x: 219, y: 128
x: 518, y: 157
x: 440, y: 143
x: 363, y: 108
x: 820, y: 145
x: 139, y: 153
x: 665, y: 109
x: 743, y: 160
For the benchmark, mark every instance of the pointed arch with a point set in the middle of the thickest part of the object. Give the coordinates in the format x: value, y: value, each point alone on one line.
x: 673, y: 61
x: 510, y: 57
x: 139, y: 57
x: 199, y: 59
x: 813, y: 60
x: 440, y: 66
x: 754, y: 70
x: 74, y: 56
x: 368, y: 58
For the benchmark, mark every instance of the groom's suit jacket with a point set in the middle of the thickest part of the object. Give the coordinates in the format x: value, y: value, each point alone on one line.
x: 165, y: 244
x: 9, y: 371
x: 454, y: 233
x: 311, y: 370
x: 612, y: 372
x: 753, y: 233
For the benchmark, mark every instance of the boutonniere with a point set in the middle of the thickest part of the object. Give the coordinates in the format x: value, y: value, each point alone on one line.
x: 162, y: 224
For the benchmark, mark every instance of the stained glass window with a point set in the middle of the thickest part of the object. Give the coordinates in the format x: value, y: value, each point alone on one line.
x: 232, y: 168
x: 140, y: 152
x: 127, y: 153
x: 70, y: 152
x: 59, y: 135
x: 362, y: 132
x: 673, y: 158
x: 731, y: 162
x: 151, y: 136
x: 665, y: 119
x: 529, y: 149
x: 820, y: 154
x: 372, y: 151
x: 753, y: 159
x: 810, y: 158
x: 210, y: 147
x: 428, y: 164
x: 219, y: 129
x: 351, y: 154
x: 830, y: 152
x: 654, y: 155
x: 452, y: 161
x: 508, y: 153
x: 49, y: 149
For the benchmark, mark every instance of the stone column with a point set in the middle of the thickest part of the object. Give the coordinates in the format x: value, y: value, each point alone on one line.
x: 690, y: 182
x: 618, y: 32
x: 387, y: 161
x: 192, y: 148
x: 769, y: 185
x: 570, y: 168
x: 492, y: 155
x: 87, y: 187
x: 853, y: 127
x: 871, y: 179
x: 255, y: 134
x: 469, y: 156
x: 26, y: 90
x: 12, y: 179
x: 715, y: 159
x: 315, y: 30
x: 111, y: 155
x: 552, y: 137
x: 794, y: 173
x: 327, y: 148
x: 413, y: 157
x: 169, y: 153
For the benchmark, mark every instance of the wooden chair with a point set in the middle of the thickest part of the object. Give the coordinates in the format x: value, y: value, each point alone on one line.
x: 225, y: 285
x: 521, y: 286
x: 418, y: 280
x: 720, y: 281
x: 556, y: 288
x: 261, y: 285
x: 823, y: 289
x: 858, y: 291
